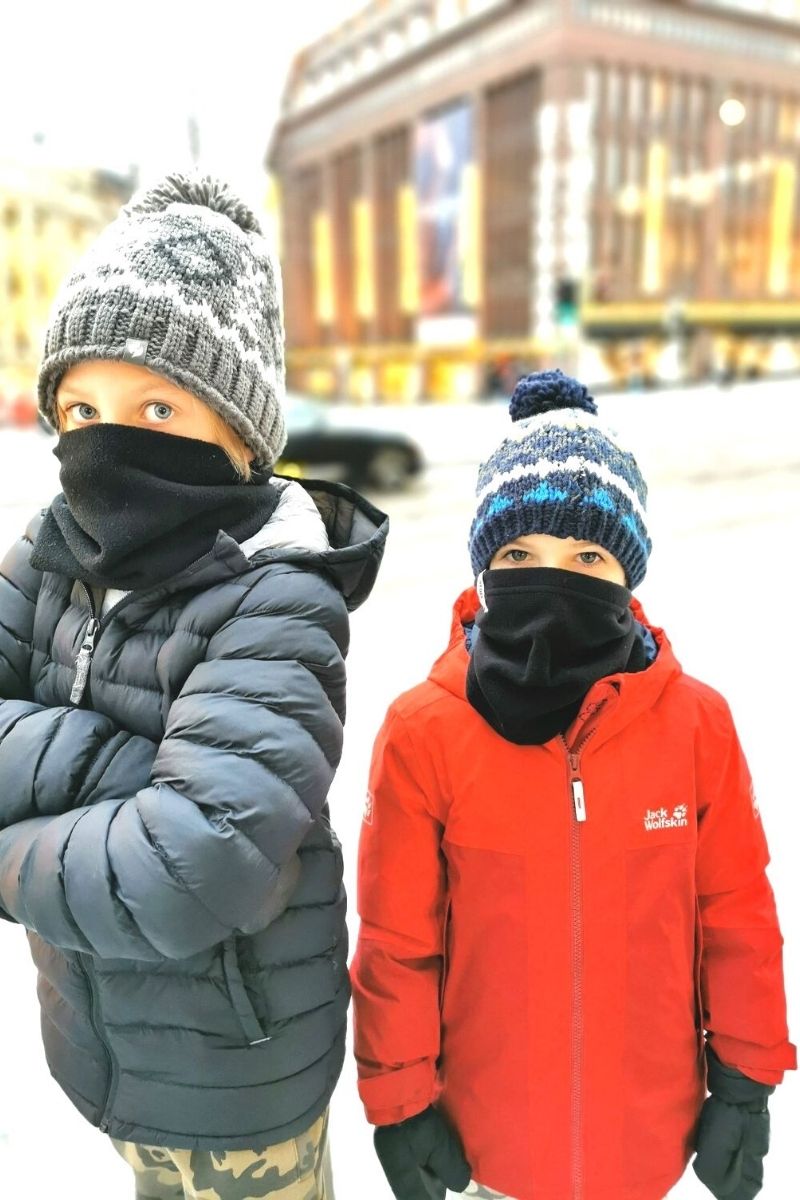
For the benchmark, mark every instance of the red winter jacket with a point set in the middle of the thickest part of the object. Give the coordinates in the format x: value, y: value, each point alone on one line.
x: 542, y: 958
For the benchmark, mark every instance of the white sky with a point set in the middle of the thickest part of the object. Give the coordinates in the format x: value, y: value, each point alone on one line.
x: 109, y: 83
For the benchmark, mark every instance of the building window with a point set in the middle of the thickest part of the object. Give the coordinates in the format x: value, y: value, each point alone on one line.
x: 613, y: 92
x: 593, y: 88
x: 612, y: 166
x: 448, y: 13
x: 635, y: 160
x: 419, y: 28
x: 393, y: 44
x: 368, y: 58
x: 635, y: 95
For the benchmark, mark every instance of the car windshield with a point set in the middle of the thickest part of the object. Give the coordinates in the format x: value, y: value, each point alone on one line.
x: 303, y: 414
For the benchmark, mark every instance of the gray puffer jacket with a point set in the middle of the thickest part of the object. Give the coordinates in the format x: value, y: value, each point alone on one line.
x: 167, y: 844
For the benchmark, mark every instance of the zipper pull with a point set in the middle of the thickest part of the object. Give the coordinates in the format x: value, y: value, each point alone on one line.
x: 578, y: 800
x: 84, y: 661
x: 576, y: 783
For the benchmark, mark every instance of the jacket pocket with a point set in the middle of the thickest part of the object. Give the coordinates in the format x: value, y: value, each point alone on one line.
x: 698, y: 987
x: 241, y: 1003
x: 445, y: 957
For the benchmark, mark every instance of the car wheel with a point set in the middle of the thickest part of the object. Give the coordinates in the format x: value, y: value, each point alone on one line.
x: 389, y: 468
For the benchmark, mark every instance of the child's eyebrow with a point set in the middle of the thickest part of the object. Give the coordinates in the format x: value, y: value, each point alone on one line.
x: 157, y: 386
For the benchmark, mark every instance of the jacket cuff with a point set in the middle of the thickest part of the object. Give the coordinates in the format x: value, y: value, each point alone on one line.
x: 396, y: 1095
x: 763, y: 1064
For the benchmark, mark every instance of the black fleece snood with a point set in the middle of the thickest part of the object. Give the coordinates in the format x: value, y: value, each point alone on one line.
x: 139, y: 505
x: 543, y: 638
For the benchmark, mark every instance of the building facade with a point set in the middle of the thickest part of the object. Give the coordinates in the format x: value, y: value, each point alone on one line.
x: 47, y: 218
x: 466, y: 185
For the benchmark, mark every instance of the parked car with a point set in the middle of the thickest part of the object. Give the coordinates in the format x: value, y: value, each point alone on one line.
x: 17, y: 410
x: 328, y: 444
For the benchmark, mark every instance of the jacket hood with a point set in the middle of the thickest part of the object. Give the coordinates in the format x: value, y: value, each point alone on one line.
x: 295, y: 524
x: 356, y: 532
x: 635, y: 692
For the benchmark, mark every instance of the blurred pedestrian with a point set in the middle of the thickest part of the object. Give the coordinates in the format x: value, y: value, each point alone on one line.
x: 172, y: 640
x: 566, y: 926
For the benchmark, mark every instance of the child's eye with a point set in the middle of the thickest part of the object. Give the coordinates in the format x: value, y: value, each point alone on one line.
x: 82, y: 412
x: 517, y: 556
x: 159, y: 411
x: 589, y: 558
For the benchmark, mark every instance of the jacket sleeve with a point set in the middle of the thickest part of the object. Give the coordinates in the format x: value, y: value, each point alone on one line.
x: 741, y: 971
x: 51, y: 759
x: 208, y: 848
x: 19, y: 591
x: 398, y: 964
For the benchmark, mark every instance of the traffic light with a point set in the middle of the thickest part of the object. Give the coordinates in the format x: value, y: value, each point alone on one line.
x: 567, y: 302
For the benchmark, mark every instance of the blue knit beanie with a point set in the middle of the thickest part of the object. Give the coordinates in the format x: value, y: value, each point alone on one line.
x: 561, y: 471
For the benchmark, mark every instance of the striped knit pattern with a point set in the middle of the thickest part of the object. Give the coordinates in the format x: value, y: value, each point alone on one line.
x: 184, y: 283
x: 562, y: 473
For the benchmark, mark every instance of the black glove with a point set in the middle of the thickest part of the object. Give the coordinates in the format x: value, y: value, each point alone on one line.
x: 733, y: 1134
x: 422, y: 1157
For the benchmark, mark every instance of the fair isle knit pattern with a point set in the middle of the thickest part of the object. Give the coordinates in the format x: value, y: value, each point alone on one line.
x: 184, y: 283
x: 561, y: 471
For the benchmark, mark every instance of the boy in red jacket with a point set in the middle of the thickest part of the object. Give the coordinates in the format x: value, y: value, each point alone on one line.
x: 566, y: 928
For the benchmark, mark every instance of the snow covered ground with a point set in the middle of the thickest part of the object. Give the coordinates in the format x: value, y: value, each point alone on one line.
x: 724, y: 473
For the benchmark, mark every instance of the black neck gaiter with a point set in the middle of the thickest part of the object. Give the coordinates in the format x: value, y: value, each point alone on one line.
x: 544, y: 637
x: 139, y: 505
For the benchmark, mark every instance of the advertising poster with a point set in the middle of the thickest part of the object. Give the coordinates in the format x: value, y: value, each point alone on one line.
x: 443, y: 168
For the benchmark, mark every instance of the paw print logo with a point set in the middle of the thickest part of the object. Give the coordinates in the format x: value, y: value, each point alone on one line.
x: 369, y: 809
x: 679, y: 812
x: 754, y: 802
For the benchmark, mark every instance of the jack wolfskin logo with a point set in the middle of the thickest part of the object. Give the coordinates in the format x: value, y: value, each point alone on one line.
x: 369, y: 806
x: 754, y: 802
x: 660, y: 818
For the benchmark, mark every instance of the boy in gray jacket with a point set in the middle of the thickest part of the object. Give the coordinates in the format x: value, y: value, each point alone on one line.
x: 172, y: 689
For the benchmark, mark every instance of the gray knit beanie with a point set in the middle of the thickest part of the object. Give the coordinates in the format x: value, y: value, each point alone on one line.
x: 182, y: 282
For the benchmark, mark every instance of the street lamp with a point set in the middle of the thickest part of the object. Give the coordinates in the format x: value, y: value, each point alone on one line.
x: 732, y: 112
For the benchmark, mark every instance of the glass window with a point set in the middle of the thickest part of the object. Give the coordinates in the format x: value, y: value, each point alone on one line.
x: 419, y: 28
x: 656, y: 96
x: 368, y: 57
x: 593, y: 87
x: 613, y: 91
x: 448, y: 13
x: 392, y: 42
x: 769, y: 117
x: 635, y: 95
x: 633, y: 171
x: 677, y: 101
x: 612, y: 166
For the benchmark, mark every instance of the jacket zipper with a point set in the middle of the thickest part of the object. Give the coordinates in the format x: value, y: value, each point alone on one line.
x: 96, y: 1022
x: 84, y: 660
x: 577, y: 798
x: 94, y: 628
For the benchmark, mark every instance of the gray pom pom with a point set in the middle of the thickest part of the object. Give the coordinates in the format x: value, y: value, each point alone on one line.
x: 194, y: 189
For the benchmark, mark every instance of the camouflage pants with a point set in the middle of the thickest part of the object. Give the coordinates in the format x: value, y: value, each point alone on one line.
x: 476, y: 1191
x: 298, y: 1169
